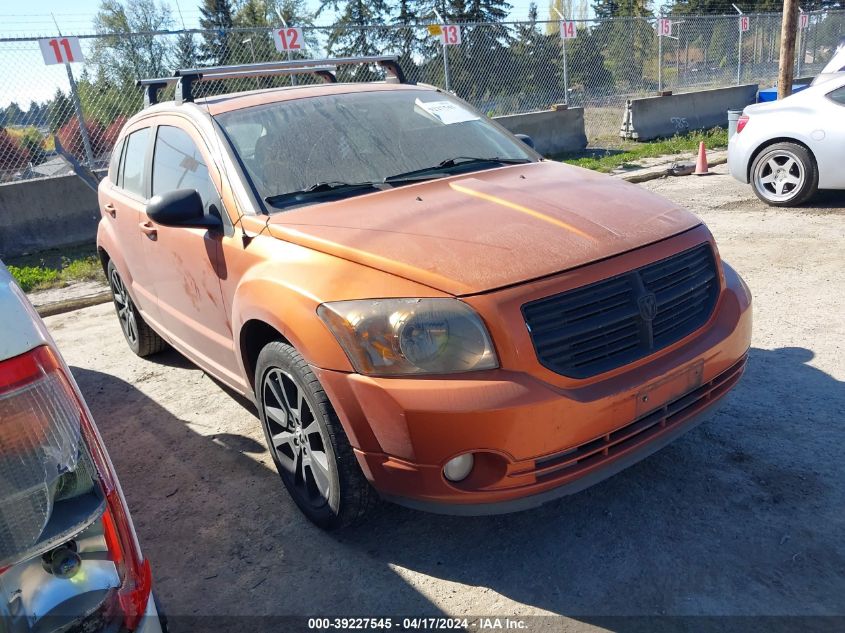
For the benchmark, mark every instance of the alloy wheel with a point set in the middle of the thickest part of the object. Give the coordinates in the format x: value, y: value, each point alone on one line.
x: 780, y: 176
x: 125, y: 308
x: 296, y: 437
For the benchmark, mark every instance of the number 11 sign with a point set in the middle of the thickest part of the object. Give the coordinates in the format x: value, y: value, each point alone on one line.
x: 61, y: 50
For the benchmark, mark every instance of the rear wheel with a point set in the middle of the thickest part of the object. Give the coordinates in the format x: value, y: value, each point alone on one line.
x: 784, y: 175
x: 142, y: 339
x: 307, y: 442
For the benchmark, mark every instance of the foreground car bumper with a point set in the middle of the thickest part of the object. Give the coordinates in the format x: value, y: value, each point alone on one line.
x: 533, y: 441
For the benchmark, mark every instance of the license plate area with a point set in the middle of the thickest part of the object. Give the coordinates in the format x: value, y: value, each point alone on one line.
x: 656, y: 394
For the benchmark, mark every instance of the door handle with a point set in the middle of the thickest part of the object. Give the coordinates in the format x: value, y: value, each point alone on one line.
x: 109, y: 208
x: 149, y: 230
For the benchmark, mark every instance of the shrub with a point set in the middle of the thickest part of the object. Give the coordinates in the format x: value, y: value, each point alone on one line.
x: 71, y: 138
x: 28, y: 277
x: 112, y: 131
x: 13, y: 155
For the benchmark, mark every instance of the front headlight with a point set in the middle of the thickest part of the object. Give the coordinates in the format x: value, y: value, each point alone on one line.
x: 389, y: 337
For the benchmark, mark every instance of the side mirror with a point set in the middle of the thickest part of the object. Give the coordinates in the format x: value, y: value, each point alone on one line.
x: 525, y: 139
x: 181, y: 207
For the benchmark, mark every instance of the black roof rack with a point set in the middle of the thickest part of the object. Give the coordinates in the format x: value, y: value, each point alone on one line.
x: 324, y: 68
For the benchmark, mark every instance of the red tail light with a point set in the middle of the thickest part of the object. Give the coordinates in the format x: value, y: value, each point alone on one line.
x: 741, y: 122
x: 57, y: 483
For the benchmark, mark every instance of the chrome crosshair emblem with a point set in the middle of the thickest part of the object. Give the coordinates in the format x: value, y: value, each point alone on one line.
x: 648, y: 306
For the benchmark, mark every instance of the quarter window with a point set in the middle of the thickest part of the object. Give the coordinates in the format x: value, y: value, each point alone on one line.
x: 114, y: 163
x: 838, y: 95
x: 178, y: 164
x: 133, y: 162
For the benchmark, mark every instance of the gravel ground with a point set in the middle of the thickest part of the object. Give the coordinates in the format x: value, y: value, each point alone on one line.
x: 742, y: 516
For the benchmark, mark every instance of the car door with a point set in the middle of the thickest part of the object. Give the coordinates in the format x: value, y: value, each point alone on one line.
x: 831, y: 157
x: 126, y: 202
x: 185, y: 263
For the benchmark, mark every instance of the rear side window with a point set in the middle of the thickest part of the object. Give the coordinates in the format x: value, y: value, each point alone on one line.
x: 133, y: 162
x: 178, y: 164
x: 837, y: 95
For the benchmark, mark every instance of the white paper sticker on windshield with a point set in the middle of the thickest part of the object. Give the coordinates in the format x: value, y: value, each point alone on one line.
x: 447, y: 112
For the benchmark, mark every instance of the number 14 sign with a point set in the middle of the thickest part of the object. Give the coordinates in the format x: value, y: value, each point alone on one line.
x: 61, y: 50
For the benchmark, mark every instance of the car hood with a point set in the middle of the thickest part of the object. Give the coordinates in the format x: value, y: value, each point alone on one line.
x: 475, y: 232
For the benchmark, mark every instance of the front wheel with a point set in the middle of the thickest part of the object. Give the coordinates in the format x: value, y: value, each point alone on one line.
x: 784, y: 175
x: 307, y: 442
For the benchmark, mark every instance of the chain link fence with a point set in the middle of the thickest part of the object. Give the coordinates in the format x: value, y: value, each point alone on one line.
x: 502, y: 68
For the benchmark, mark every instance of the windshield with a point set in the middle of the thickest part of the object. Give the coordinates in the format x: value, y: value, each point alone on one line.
x: 313, y: 145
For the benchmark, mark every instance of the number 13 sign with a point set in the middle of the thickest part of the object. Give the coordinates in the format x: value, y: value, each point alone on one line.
x: 61, y: 50
x: 450, y: 34
x: 288, y: 39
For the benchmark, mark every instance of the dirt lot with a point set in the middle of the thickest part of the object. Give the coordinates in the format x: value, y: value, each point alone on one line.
x: 742, y: 516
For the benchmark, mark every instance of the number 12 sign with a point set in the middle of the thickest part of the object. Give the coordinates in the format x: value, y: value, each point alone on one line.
x: 450, y: 34
x: 288, y: 39
x: 61, y: 50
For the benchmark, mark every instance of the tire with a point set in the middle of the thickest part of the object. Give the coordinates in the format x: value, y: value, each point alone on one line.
x: 307, y: 442
x: 140, y: 337
x: 784, y: 175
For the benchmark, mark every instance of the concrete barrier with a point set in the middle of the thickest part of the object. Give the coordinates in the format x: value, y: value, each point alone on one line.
x: 553, y: 131
x: 658, y: 117
x: 36, y: 215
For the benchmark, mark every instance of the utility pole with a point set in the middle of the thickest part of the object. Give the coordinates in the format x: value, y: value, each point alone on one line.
x: 789, y: 28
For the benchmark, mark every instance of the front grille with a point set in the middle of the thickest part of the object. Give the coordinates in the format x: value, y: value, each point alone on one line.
x: 613, y: 322
x: 671, y: 415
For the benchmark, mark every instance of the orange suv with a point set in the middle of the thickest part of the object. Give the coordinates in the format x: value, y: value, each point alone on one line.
x: 419, y: 305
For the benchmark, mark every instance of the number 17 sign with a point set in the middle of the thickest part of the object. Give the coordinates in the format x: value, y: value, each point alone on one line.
x: 61, y: 50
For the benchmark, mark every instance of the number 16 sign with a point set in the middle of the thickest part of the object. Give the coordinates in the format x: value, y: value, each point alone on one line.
x: 61, y: 50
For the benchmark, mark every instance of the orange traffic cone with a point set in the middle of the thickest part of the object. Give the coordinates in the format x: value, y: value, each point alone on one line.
x: 701, y: 165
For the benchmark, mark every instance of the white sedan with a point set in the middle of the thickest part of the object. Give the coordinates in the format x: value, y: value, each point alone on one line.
x: 69, y: 555
x: 789, y: 149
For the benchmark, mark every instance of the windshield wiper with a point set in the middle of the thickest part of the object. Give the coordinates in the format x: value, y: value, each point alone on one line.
x: 453, y: 163
x: 319, y: 190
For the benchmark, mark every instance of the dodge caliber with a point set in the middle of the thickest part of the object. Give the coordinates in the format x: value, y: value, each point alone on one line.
x: 420, y: 306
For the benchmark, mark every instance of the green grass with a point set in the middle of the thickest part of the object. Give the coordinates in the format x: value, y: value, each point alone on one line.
x: 606, y: 161
x: 41, y: 276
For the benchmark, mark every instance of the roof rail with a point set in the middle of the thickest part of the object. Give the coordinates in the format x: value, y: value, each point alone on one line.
x: 184, y: 78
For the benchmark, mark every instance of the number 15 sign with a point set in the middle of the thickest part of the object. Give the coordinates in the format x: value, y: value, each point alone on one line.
x: 61, y: 50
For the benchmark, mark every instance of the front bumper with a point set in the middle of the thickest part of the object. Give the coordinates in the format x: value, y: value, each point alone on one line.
x: 533, y: 440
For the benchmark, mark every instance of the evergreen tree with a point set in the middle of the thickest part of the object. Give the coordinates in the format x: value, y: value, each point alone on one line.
x: 622, y: 8
x: 60, y: 109
x: 347, y: 40
x: 218, y: 42
x: 186, y: 51
x: 14, y: 114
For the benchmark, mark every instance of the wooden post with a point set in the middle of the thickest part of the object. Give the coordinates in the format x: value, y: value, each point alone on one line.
x: 788, y: 30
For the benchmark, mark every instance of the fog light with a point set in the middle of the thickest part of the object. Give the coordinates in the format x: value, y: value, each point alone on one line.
x: 457, y: 468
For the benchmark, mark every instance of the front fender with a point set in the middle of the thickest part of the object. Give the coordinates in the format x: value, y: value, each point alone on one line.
x: 290, y: 311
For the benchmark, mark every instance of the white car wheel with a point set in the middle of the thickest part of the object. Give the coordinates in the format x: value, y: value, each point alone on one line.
x: 784, y: 174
